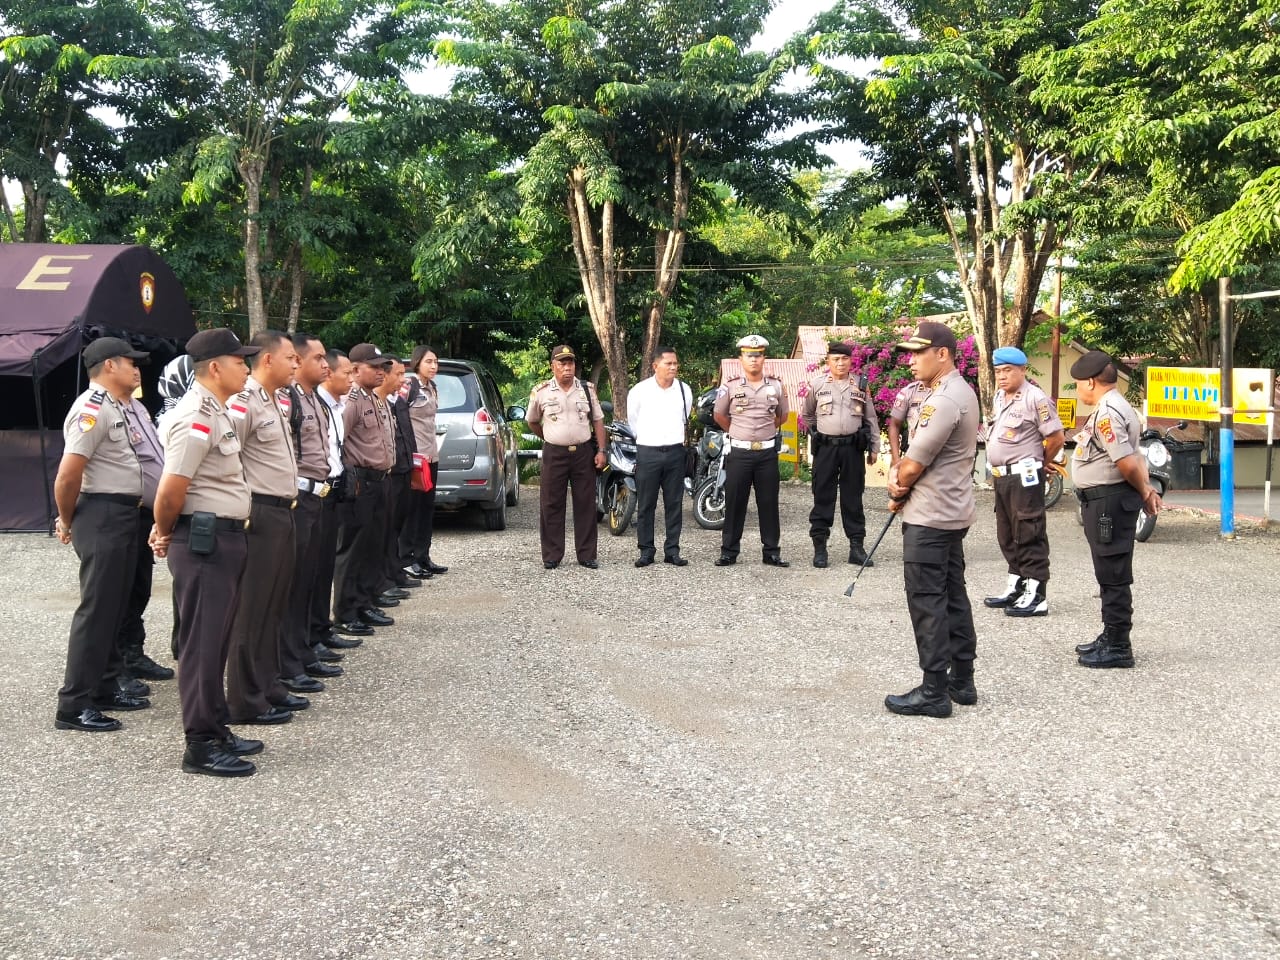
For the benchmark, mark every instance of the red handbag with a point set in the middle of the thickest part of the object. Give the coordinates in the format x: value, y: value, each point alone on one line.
x: 420, y: 476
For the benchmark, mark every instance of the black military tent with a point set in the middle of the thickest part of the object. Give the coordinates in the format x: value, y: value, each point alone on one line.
x: 55, y: 299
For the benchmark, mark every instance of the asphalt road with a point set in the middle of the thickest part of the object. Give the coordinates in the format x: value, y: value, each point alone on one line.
x: 670, y: 763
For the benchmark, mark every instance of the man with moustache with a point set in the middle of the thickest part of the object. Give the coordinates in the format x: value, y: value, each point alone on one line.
x: 658, y: 412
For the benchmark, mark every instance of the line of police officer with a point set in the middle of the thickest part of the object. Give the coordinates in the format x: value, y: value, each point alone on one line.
x: 241, y: 512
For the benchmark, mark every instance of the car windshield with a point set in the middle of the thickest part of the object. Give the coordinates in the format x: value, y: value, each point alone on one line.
x: 457, y: 392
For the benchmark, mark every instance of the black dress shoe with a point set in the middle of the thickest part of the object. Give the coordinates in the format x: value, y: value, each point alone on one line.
x: 589, y: 564
x: 325, y: 655
x: 144, y: 668
x: 393, y: 593
x: 415, y: 570
x: 920, y: 703
x: 335, y: 642
x: 644, y: 561
x: 120, y: 701
x: 88, y: 720
x: 354, y: 628
x: 326, y: 670
x: 775, y: 562
x: 292, y: 702
x: 375, y: 617
x: 302, y: 684
x: 724, y: 561
x: 676, y: 561
x: 240, y: 746
x: 131, y: 687
x: 273, y: 716
x: 386, y: 600
x: 407, y: 583
x: 550, y: 564
x: 434, y: 567
x: 214, y: 760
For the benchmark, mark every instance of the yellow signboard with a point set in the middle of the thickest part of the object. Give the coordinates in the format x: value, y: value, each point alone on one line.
x: 1067, y: 412
x: 791, y: 439
x: 1194, y: 393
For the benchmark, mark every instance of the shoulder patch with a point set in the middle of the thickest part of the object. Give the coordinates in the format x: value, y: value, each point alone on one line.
x: 86, y: 422
x: 1107, y: 430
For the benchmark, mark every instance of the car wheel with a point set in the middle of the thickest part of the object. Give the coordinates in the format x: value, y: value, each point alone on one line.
x: 495, y: 518
x: 513, y: 495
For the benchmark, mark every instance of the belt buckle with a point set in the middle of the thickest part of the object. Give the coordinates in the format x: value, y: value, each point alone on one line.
x: 293, y: 504
x: 755, y: 444
x: 573, y: 448
x: 246, y: 524
x: 324, y: 490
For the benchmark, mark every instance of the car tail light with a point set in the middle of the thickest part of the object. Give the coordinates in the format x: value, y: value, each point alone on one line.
x: 482, y: 424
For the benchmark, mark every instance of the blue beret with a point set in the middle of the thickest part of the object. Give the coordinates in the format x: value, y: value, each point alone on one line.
x: 1008, y: 355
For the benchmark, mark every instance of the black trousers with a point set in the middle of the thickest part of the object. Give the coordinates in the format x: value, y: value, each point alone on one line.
x: 104, y: 535
x: 359, y: 556
x: 253, y: 658
x: 295, y: 641
x: 133, y: 631
x: 206, y: 590
x: 1021, y: 529
x: 564, y: 470
x: 746, y: 470
x: 324, y: 553
x: 415, y: 539
x: 840, y: 468
x: 659, y: 468
x: 397, y: 513
x: 1113, y: 562
x: 933, y: 570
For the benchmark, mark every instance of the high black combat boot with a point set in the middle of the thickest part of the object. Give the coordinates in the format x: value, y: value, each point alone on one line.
x: 1093, y: 644
x: 820, y: 558
x: 1113, y: 650
x: 960, y: 683
x: 1010, y: 593
x: 858, y: 555
x: 930, y: 699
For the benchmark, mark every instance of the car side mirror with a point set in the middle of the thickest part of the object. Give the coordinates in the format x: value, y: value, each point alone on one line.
x: 515, y: 413
x: 1182, y: 424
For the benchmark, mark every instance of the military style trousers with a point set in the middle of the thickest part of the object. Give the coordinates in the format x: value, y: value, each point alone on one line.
x: 206, y: 591
x: 1113, y: 562
x: 295, y: 641
x: 253, y: 659
x: 573, y: 469
x: 1021, y: 529
x: 838, y: 466
x: 933, y: 570
x: 104, y: 534
x: 659, y: 469
x: 746, y: 470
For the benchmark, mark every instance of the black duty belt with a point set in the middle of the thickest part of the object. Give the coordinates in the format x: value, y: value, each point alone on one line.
x: 1085, y: 494
x: 221, y: 523
x: 367, y: 473
x: 664, y: 448
x: 124, y: 499
x: 840, y: 440
x: 266, y: 500
x: 571, y: 447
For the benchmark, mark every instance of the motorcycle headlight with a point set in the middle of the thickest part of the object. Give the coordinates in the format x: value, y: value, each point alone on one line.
x: 1157, y: 454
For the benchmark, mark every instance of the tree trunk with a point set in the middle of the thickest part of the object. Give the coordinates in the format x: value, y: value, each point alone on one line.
x: 35, y: 205
x: 668, y: 253
x: 251, y: 168
x: 8, y: 216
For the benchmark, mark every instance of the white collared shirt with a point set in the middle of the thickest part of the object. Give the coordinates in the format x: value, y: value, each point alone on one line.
x: 335, y: 434
x: 658, y: 416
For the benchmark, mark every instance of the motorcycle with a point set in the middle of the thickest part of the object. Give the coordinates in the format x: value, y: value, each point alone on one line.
x: 616, y: 483
x: 1156, y: 449
x: 708, y: 482
x: 1053, y: 481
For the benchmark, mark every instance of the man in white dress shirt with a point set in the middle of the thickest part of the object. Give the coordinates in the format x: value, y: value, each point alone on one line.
x: 658, y: 411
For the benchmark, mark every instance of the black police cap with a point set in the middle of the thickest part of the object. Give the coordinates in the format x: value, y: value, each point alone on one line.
x: 1090, y: 365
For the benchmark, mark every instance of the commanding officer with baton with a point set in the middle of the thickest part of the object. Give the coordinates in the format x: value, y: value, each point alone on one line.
x: 843, y: 429
x: 1111, y: 482
x: 932, y: 487
x: 1025, y: 436
x: 202, y: 506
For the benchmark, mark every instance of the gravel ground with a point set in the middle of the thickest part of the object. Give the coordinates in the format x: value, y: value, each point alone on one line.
x: 669, y: 763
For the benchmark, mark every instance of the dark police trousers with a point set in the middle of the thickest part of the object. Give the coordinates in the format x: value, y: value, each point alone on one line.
x: 104, y: 534
x: 933, y: 570
x: 206, y: 592
x: 323, y: 554
x: 415, y: 538
x: 1021, y: 530
x: 133, y: 631
x: 295, y: 634
x: 357, y: 572
x: 397, y: 512
x: 575, y: 468
x: 839, y: 465
x: 745, y: 469
x: 659, y: 468
x: 1113, y: 562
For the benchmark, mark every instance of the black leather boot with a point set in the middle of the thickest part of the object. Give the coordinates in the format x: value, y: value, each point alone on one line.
x: 213, y: 759
x: 960, y: 684
x: 1010, y: 593
x: 820, y: 558
x: 1114, y: 650
x: 858, y: 555
x: 1092, y: 645
x: 930, y: 699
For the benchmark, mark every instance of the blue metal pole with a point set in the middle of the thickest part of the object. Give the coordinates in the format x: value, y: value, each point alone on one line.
x: 1227, y: 480
x: 1226, y: 408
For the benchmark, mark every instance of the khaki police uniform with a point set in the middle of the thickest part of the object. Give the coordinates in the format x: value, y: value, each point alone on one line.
x: 845, y: 430
x: 423, y: 400
x: 368, y: 453
x: 200, y: 443
x: 943, y: 433
x: 754, y: 410
x: 399, y: 490
x: 1109, y: 502
x: 568, y: 420
x: 133, y: 633
x: 104, y: 534
x: 311, y: 418
x: 271, y: 471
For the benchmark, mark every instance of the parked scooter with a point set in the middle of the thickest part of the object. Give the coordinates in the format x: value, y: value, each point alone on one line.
x: 616, y: 483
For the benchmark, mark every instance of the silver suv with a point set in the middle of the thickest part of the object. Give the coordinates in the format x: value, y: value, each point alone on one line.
x: 478, y: 449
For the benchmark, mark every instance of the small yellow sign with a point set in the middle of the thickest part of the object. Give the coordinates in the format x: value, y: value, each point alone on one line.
x: 1194, y: 393
x: 791, y: 439
x: 1067, y: 412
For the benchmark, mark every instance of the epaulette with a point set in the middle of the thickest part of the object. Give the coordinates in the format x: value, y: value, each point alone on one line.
x: 209, y: 406
x: 93, y: 402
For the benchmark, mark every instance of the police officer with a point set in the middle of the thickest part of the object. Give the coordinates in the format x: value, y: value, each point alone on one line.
x: 1025, y: 435
x: 843, y: 429
x: 932, y: 487
x: 395, y: 582
x: 908, y: 400
x: 98, y: 491
x: 1110, y: 479
x: 368, y: 453
x: 565, y: 412
x: 202, y: 506
x: 750, y: 408
x: 254, y: 691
